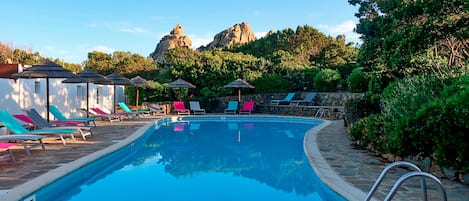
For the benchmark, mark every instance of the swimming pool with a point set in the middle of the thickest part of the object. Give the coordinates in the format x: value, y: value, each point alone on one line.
x: 202, y: 158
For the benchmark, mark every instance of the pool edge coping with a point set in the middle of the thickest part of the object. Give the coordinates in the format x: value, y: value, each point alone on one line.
x: 324, y: 171
x: 25, y: 189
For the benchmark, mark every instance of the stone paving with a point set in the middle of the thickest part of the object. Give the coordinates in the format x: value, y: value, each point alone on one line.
x: 361, y: 168
x: 355, y: 166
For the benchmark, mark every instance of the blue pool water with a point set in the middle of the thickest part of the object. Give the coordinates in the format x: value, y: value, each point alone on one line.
x: 213, y: 158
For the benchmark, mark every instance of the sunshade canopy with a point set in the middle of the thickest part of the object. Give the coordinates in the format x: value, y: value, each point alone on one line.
x: 180, y: 83
x: 140, y: 82
x: 118, y: 79
x: 45, y: 69
x: 88, y: 76
x: 239, y: 83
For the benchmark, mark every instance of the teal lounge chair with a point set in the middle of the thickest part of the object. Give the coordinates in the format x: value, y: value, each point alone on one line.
x: 308, y: 99
x: 232, y: 107
x: 9, y: 121
x: 60, y: 116
x: 127, y: 110
x: 287, y: 99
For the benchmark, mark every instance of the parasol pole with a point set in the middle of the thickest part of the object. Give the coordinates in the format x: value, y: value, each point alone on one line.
x: 136, y: 102
x: 87, y: 99
x: 47, y: 98
x: 115, y: 101
x: 239, y: 95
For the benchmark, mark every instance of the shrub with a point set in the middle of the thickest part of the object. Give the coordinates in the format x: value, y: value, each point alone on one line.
x: 369, y: 132
x: 271, y: 84
x: 356, y: 109
x: 326, y: 80
x: 357, y: 81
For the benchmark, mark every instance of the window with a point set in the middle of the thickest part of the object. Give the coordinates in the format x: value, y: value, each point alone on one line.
x: 37, y: 87
x: 99, y: 95
x: 81, y: 92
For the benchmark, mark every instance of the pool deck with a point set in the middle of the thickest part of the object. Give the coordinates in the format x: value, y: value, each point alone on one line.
x: 337, y: 161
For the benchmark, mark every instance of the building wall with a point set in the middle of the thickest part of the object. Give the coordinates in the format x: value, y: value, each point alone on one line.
x: 19, y: 94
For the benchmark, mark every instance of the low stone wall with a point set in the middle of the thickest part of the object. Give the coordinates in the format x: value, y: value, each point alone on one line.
x: 334, y: 102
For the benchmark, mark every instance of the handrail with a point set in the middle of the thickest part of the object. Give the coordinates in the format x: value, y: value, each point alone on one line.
x: 386, y: 170
x: 414, y: 174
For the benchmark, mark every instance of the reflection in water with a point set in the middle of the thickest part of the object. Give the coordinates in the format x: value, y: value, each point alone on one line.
x: 268, y: 152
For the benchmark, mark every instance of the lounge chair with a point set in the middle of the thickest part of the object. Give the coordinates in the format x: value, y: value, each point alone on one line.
x: 232, y: 107
x: 60, y: 116
x: 14, y: 126
x: 42, y: 123
x: 155, y: 109
x: 5, y: 146
x: 195, y: 107
x: 308, y: 99
x: 247, y: 108
x: 180, y: 108
x: 287, y: 99
x: 24, y: 139
x: 99, y: 113
x: 127, y: 110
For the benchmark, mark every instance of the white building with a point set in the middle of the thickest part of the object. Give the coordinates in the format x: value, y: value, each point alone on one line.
x: 18, y: 94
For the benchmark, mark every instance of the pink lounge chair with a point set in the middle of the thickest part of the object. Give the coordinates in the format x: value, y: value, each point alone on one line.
x: 30, y: 122
x: 180, y: 108
x: 247, y: 107
x: 110, y: 116
x: 5, y: 146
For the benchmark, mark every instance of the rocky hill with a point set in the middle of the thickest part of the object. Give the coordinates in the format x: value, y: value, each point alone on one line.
x: 237, y: 34
x: 176, y: 38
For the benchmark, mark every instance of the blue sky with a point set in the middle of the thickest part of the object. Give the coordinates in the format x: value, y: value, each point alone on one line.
x: 70, y: 29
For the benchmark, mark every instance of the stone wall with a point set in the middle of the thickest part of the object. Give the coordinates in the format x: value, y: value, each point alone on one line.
x: 334, y: 102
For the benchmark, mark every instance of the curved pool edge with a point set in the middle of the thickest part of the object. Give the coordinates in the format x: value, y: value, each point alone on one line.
x: 324, y: 171
x: 33, y: 185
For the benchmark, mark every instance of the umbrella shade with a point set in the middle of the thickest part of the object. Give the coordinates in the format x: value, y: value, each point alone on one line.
x: 139, y: 82
x: 88, y: 76
x: 46, y: 69
x: 180, y: 83
x: 239, y: 83
x: 118, y: 79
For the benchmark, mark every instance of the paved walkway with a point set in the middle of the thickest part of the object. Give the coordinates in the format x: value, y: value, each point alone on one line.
x: 355, y: 166
x: 361, y: 168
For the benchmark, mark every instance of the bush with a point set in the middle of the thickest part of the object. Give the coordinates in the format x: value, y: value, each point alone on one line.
x: 357, y: 81
x: 326, y: 80
x: 438, y: 129
x: 271, y: 84
x: 357, y: 109
x: 369, y: 132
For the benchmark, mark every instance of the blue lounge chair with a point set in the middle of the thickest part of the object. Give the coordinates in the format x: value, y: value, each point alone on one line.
x: 60, y: 116
x: 308, y: 99
x: 195, y: 107
x: 232, y: 107
x: 127, y: 110
x: 9, y: 121
x: 287, y: 99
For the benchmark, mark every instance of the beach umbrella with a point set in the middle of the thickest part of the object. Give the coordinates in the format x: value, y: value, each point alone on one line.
x: 118, y: 79
x: 88, y: 76
x: 180, y: 83
x: 239, y: 83
x: 139, y: 82
x: 46, y: 69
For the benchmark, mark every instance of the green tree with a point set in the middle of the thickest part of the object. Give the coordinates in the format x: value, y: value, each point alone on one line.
x: 395, y: 33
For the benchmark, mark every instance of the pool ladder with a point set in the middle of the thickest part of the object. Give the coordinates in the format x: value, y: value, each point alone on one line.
x: 416, y: 173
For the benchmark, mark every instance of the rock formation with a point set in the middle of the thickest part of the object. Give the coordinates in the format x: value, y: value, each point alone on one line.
x: 340, y: 37
x: 176, y: 38
x: 237, y: 34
